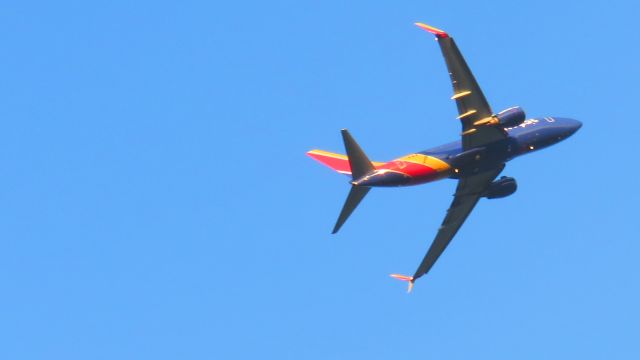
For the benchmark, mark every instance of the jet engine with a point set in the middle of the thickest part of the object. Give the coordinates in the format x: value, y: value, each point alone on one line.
x: 511, y: 117
x: 500, y: 188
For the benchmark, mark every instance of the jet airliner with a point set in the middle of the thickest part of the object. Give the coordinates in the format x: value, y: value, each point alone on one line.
x: 487, y: 142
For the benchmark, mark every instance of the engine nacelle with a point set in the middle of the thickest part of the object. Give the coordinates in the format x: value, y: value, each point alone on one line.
x: 500, y: 188
x: 511, y: 117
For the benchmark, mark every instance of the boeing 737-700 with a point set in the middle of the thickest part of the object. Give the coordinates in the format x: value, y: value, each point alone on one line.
x: 488, y: 141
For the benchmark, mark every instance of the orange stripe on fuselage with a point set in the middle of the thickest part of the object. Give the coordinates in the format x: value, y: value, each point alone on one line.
x: 421, y: 168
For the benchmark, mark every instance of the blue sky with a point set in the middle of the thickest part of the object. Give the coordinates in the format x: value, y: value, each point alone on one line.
x: 157, y: 202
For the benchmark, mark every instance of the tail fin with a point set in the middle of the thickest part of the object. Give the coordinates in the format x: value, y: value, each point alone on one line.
x: 360, y: 166
x: 358, y: 160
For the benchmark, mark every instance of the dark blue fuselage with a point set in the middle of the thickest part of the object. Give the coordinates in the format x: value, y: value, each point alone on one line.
x: 452, y: 161
x: 531, y: 135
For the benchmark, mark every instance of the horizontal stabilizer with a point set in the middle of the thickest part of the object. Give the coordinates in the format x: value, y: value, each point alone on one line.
x: 337, y: 162
x: 356, y: 194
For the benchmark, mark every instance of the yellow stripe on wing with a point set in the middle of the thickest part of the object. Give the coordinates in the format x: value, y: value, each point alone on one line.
x: 470, y: 112
x: 460, y: 94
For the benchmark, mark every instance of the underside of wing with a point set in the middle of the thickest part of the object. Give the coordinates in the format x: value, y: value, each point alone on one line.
x: 468, y: 192
x: 473, y: 107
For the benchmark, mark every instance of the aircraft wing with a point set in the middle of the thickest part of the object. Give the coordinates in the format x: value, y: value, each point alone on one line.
x: 471, y: 103
x: 468, y: 192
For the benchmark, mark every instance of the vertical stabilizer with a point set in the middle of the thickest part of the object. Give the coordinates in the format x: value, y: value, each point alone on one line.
x: 358, y: 160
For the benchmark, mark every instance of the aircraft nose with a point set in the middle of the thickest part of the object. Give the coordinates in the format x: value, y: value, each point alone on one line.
x: 568, y: 126
x: 574, y: 125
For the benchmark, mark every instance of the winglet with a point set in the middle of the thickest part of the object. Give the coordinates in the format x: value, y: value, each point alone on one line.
x: 404, y: 278
x: 435, y: 31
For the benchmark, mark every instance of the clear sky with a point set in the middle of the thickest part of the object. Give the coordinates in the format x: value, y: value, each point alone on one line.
x: 156, y: 201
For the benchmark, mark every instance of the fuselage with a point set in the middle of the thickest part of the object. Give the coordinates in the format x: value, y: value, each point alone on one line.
x: 451, y: 161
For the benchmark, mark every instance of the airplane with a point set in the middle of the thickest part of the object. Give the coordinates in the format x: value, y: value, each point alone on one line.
x: 488, y: 141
